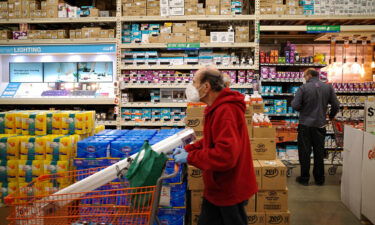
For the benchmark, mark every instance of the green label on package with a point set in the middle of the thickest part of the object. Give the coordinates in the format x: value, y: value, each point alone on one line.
x: 183, y: 46
x: 323, y: 28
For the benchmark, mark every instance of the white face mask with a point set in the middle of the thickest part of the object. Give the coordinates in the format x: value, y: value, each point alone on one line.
x: 192, y: 93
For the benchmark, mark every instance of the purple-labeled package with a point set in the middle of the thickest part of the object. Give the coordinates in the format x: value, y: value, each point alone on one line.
x: 272, y: 72
x: 264, y: 72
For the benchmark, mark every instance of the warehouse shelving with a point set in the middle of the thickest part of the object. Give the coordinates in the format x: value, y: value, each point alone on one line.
x: 107, y: 122
x: 202, y: 45
x: 60, y: 20
x: 174, y: 85
x: 295, y: 64
x: 57, y: 101
x: 317, y: 17
x: 276, y: 94
x: 188, y: 18
x: 58, y: 41
x: 283, y: 80
x: 154, y: 105
x: 152, y: 124
x: 184, y: 67
x: 283, y: 115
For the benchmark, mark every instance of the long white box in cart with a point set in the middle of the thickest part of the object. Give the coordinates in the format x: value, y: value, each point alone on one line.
x: 368, y: 175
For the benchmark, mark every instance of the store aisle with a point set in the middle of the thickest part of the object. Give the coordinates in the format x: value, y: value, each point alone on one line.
x: 313, y: 205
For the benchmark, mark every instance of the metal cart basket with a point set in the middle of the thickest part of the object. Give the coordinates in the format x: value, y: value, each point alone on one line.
x: 114, y: 203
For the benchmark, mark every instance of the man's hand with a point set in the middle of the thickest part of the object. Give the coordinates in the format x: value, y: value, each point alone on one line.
x: 180, y: 156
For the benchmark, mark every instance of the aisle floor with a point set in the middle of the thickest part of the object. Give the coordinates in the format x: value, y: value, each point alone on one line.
x: 318, y: 205
x: 309, y: 205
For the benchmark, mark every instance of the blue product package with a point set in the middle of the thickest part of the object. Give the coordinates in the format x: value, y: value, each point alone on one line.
x: 122, y: 149
x: 94, y: 148
x: 172, y: 216
x: 174, y: 195
x: 169, y: 169
x: 135, y: 27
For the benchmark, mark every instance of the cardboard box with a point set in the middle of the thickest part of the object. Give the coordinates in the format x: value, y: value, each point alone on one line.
x: 195, y: 178
x: 195, y: 218
x: 273, y: 175
x: 251, y: 205
x: 61, y: 34
x: 256, y: 218
x: 5, y: 34
x: 282, y: 218
x: 196, y: 123
x: 94, y: 12
x: 264, y: 132
x: 179, y: 28
x: 272, y: 201
x: 72, y: 34
x: 196, y: 200
x: 263, y: 148
x: 258, y: 108
x: 195, y: 111
x: 104, y: 34
x: 178, y: 38
x: 258, y: 173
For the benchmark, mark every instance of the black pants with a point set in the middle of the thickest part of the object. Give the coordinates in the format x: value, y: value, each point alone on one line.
x: 223, y: 215
x: 311, y: 139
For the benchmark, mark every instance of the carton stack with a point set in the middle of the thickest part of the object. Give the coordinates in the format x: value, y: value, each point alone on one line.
x: 242, y: 34
x: 271, y: 200
x: 213, y: 7
x: 291, y: 7
x: 191, y: 7
x: 153, y: 8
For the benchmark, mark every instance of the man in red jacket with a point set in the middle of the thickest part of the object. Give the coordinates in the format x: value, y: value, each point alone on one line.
x: 224, y: 152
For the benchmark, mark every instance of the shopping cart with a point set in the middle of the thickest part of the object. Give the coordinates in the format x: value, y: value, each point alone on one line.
x: 338, y: 130
x: 114, y: 203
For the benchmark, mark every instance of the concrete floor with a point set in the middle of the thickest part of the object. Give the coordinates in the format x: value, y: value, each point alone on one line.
x: 318, y: 205
x: 309, y: 205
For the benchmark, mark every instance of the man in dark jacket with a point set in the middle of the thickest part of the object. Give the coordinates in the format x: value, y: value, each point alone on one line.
x: 224, y: 152
x: 312, y: 101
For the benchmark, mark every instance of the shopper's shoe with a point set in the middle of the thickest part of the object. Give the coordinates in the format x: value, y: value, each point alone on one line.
x: 319, y: 183
x: 302, y: 181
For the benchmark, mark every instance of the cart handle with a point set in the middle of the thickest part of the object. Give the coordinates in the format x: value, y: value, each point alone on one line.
x: 175, y: 173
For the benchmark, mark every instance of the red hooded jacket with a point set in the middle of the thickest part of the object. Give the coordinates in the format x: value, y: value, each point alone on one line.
x: 223, y: 154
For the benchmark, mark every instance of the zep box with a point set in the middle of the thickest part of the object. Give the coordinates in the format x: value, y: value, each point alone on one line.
x: 273, y: 175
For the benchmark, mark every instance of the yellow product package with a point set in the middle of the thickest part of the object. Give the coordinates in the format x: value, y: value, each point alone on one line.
x: 76, y: 139
x: 34, y: 123
x: 52, y: 167
x: 29, y: 170
x: 2, y: 123
x: 33, y: 147
x: 13, y: 188
x: 19, y: 117
x: 10, y: 123
x: 12, y: 170
x: 41, y: 124
x: 9, y: 147
x: 56, y: 123
x: 81, y: 122
x: 90, y: 118
x: 68, y: 120
x: 59, y: 148
x: 49, y: 116
x: 3, y: 171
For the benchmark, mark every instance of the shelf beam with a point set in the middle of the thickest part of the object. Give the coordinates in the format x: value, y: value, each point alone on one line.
x: 188, y: 18
x: 344, y: 28
x: 60, y: 20
x: 202, y: 45
x: 57, y: 101
x: 58, y: 41
x: 185, y: 67
x: 317, y: 17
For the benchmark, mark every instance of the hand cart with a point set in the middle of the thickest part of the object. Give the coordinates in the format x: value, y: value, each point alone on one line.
x: 338, y: 130
x: 114, y: 203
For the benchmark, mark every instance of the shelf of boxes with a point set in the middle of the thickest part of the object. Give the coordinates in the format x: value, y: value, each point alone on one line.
x: 58, y: 41
x: 202, y: 45
x: 188, y: 18
x: 152, y: 124
x: 355, y: 92
x: 57, y: 101
x: 283, y: 80
x: 154, y: 105
x: 171, y: 85
x: 284, y: 115
x: 60, y: 20
x: 185, y: 67
x: 317, y: 17
x: 107, y: 123
x: 276, y: 94
x: 295, y: 64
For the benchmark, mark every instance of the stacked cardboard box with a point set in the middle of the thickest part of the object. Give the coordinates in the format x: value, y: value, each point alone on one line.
x: 153, y: 8
x: 5, y: 34
x: 191, y: 7
x: 134, y: 7
x: 291, y: 7
x: 242, y: 34
x: 92, y: 32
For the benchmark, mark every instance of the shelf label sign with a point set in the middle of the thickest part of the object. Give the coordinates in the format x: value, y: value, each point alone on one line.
x: 11, y: 90
x: 323, y: 28
x: 183, y: 46
x: 37, y: 49
x: 370, y: 116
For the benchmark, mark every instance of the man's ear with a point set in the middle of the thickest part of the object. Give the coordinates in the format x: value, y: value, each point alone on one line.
x: 207, y: 85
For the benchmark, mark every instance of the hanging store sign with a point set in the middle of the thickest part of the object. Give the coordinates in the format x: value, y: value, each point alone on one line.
x: 370, y: 116
x: 183, y: 46
x: 38, y: 49
x: 323, y: 28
